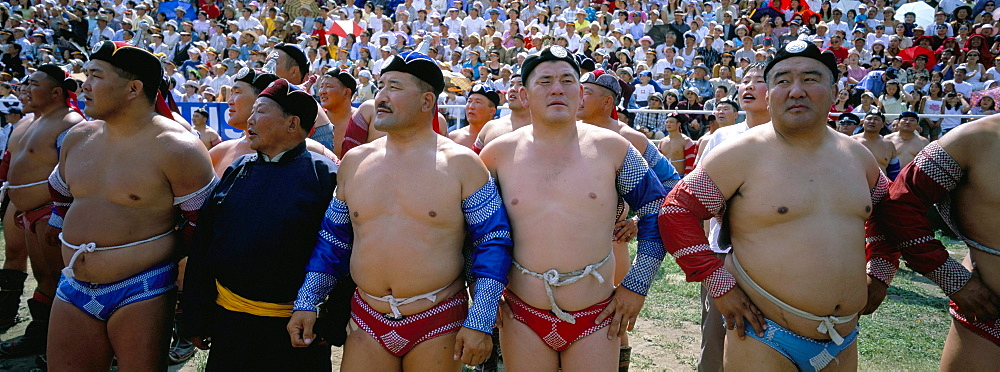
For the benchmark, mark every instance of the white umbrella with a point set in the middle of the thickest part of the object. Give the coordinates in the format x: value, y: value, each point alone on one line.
x: 924, y: 13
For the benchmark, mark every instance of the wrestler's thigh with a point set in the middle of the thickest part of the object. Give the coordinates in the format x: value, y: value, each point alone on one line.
x: 362, y: 353
x: 752, y: 355
x: 622, y: 261
x: 522, y: 349
x: 15, y: 252
x: 436, y: 354
x: 592, y: 353
x: 967, y: 351
x: 76, y: 341
x: 140, y: 333
x: 51, y: 252
x: 44, y: 272
x: 846, y: 360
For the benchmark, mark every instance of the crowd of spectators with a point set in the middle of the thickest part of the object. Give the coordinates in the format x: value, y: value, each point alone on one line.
x: 676, y: 54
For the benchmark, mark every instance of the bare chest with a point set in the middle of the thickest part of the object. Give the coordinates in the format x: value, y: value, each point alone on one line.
x: 535, y: 180
x: 786, y: 191
x: 425, y: 194
x: 125, y: 174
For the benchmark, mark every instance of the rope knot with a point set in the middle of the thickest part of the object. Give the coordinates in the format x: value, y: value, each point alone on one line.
x: 88, y: 247
x: 551, y: 277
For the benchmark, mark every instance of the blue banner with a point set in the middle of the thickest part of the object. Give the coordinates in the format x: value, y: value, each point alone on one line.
x: 218, y: 116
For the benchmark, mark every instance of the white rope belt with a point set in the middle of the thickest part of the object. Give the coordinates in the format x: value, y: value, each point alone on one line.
x: 826, y: 323
x: 395, y: 303
x: 553, y: 278
x: 92, y: 247
x: 7, y: 186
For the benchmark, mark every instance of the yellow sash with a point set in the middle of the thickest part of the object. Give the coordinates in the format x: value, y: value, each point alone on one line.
x: 234, y: 302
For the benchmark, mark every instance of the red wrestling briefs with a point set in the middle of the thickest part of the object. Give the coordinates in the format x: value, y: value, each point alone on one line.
x: 989, y: 330
x: 356, y: 135
x: 400, y: 336
x: 557, y: 333
x: 28, y: 219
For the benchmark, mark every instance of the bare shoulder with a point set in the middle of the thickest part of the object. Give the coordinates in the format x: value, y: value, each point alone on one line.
x: 606, y: 142
x: 459, y: 134
x: 460, y: 159
x: 970, y: 141
x: 638, y: 140
x: 353, y: 158
x: 738, y: 149
x: 72, y: 118
x: 81, y: 132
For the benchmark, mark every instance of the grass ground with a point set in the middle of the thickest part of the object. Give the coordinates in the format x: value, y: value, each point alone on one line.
x: 906, y: 334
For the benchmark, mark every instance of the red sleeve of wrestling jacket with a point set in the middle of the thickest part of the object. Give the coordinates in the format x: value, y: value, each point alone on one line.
x: 925, y: 181
x: 882, y: 257
x: 690, y: 153
x: 356, y: 135
x: 694, y: 199
x: 4, y: 166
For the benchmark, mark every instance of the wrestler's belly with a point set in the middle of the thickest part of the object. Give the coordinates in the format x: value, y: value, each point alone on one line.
x: 988, y: 266
x: 105, y: 225
x: 820, y: 276
x: 29, y: 198
x: 406, y: 271
x: 582, y: 294
x: 25, y: 172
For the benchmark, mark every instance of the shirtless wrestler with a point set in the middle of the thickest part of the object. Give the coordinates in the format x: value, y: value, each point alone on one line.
x: 676, y: 146
x: 133, y: 173
x: 519, y: 116
x: 290, y: 63
x: 907, y: 139
x: 601, y: 91
x: 725, y: 116
x: 247, y: 84
x: 883, y: 149
x: 199, y: 122
x: 752, y: 96
x: 15, y: 263
x: 815, y: 233
x: 410, y: 311
x: 336, y: 87
x: 562, y: 181
x: 480, y: 107
x: 959, y: 173
x: 50, y: 95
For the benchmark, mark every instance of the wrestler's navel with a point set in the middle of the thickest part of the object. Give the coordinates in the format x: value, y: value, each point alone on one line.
x: 868, y: 208
x: 432, y: 213
x: 593, y: 196
x: 133, y: 196
x: 513, y: 201
x: 782, y: 209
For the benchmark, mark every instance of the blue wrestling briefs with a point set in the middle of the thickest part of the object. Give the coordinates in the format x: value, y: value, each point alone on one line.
x: 807, y: 354
x: 102, y: 300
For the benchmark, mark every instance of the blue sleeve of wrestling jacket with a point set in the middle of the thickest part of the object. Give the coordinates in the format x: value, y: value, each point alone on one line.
x: 489, y: 230
x: 639, y: 186
x: 665, y: 172
x: 892, y: 170
x: 331, y: 258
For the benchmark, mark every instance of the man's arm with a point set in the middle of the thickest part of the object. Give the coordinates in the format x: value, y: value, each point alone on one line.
x: 926, y: 181
x: 699, y: 196
x: 488, y: 229
x: 639, y: 186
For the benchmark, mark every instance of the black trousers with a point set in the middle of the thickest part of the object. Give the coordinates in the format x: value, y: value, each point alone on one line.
x: 244, y: 342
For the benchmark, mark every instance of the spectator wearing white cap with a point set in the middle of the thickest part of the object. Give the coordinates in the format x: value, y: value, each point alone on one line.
x: 247, y: 21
